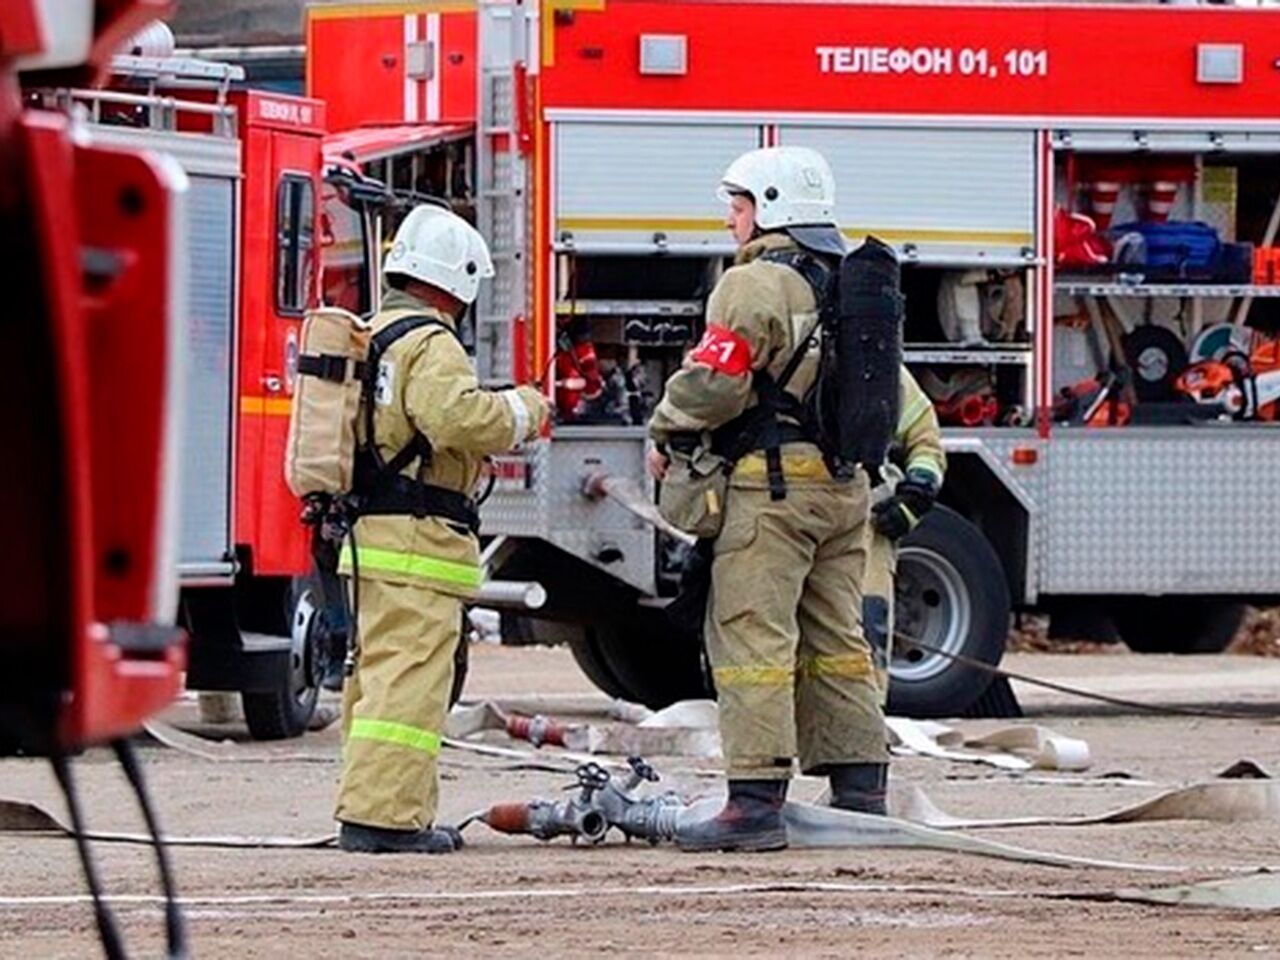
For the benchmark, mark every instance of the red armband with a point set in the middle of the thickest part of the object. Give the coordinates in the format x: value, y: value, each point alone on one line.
x: 723, y: 351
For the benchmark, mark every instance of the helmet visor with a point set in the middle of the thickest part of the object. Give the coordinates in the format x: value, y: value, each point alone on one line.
x: 727, y: 191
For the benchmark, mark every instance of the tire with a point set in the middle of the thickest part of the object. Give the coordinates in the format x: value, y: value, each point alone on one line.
x: 1177, y: 624
x: 951, y: 593
x: 586, y: 653
x: 651, y: 661
x: 285, y: 710
x: 523, y: 630
x: 580, y: 640
x: 461, y: 666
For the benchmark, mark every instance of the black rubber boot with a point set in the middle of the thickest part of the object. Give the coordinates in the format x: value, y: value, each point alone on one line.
x: 859, y: 787
x: 356, y: 838
x: 751, y: 821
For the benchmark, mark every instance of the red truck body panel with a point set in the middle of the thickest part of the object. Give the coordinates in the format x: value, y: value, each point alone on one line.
x: 361, y: 64
x: 281, y: 139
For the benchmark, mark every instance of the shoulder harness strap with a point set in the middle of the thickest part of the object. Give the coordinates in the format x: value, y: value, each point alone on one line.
x: 419, y: 446
x: 761, y: 426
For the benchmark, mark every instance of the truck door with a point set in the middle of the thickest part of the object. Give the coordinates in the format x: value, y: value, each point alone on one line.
x: 281, y: 280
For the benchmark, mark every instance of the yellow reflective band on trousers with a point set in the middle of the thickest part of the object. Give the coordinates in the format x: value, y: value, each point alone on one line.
x: 759, y: 676
x: 852, y: 666
x: 376, y: 560
x: 401, y: 734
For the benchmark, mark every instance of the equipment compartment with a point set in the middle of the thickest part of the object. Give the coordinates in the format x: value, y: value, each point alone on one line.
x: 1167, y: 279
x: 967, y: 341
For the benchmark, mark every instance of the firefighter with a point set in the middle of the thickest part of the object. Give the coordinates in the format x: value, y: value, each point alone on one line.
x: 793, y: 672
x: 918, y: 445
x: 413, y: 553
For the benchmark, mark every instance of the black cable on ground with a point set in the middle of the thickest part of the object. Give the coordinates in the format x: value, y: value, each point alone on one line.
x: 1165, y: 709
x: 175, y: 931
x: 112, y: 945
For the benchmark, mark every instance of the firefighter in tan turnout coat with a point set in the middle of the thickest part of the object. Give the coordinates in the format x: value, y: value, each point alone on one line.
x: 414, y: 553
x: 793, y: 671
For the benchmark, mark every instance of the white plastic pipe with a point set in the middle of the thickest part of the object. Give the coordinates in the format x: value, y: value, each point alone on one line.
x: 526, y: 594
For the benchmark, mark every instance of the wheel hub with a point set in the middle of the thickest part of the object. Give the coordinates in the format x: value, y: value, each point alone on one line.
x: 930, y: 604
x: 304, y: 669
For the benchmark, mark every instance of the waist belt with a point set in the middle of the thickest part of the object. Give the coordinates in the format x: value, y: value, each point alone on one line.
x: 795, y: 466
x: 791, y: 433
x: 401, y: 495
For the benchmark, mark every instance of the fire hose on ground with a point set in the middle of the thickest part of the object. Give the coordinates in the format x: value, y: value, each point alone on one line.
x: 602, y: 804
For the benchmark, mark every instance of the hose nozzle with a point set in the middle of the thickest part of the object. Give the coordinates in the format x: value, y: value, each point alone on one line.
x: 547, y: 821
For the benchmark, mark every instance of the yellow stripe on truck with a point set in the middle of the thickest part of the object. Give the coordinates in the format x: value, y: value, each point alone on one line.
x: 342, y: 11
x: 265, y: 406
x: 674, y: 224
x: 616, y: 224
x: 1012, y: 238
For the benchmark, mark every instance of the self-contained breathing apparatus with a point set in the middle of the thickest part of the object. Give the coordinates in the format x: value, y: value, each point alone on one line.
x: 333, y: 463
x: 851, y: 410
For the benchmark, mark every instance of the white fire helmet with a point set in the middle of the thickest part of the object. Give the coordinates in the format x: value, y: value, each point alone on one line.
x: 791, y: 186
x: 793, y: 189
x: 438, y: 247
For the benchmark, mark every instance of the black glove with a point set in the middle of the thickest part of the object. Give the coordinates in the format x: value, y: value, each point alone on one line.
x: 911, y: 500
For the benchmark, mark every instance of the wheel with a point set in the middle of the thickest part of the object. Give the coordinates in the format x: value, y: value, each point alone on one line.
x: 286, y: 710
x: 652, y: 662
x: 581, y: 640
x: 950, y: 593
x: 586, y: 653
x: 1177, y: 624
x: 461, y: 665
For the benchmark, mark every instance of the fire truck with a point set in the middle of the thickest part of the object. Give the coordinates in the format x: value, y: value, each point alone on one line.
x: 258, y: 213
x: 1085, y: 244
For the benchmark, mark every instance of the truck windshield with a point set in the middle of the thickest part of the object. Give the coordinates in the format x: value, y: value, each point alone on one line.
x: 344, y: 258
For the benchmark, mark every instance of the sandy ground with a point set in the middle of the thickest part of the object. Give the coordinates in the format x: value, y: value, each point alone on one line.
x: 514, y: 897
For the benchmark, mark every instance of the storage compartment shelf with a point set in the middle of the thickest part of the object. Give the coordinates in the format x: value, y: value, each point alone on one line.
x: 629, y: 308
x: 949, y: 261
x: 1089, y: 288
x: 979, y: 356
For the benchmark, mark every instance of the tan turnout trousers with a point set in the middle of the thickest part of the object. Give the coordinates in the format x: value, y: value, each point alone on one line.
x: 396, y: 702
x: 793, y: 672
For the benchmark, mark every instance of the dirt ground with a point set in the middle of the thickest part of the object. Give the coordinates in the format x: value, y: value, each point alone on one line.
x: 507, y: 896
